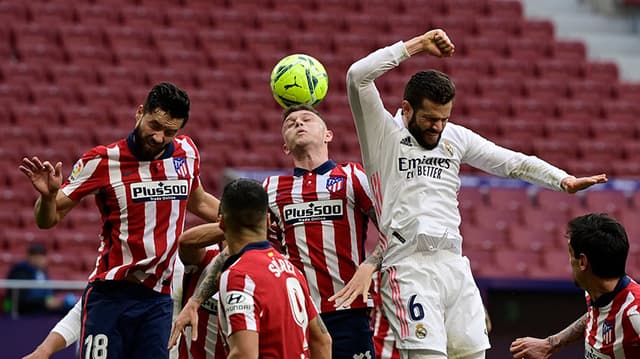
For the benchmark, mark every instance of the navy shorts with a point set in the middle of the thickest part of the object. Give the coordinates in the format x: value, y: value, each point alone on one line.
x: 124, y: 320
x: 351, y: 333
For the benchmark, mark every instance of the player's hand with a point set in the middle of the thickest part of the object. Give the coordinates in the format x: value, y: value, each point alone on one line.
x: 357, y: 286
x: 436, y: 43
x: 530, y: 348
x: 188, y: 317
x: 572, y: 184
x: 45, y: 178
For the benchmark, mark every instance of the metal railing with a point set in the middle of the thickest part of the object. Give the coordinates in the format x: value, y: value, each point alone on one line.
x: 36, y: 284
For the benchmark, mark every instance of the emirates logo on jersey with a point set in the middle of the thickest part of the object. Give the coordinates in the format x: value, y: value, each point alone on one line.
x: 335, y: 184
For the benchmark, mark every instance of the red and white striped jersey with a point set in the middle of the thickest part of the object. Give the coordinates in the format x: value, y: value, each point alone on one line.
x: 142, y: 204
x: 208, y: 345
x: 263, y: 292
x: 613, y: 323
x: 323, y: 217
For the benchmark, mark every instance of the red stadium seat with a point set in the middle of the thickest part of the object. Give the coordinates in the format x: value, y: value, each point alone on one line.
x: 589, y: 90
x: 115, y: 77
x: 510, y: 69
x: 511, y: 128
x: 568, y: 50
x: 499, y: 88
x: 171, y: 39
x: 53, y: 95
x: 568, y: 132
x: 72, y: 75
x: 599, y: 150
x: 363, y: 22
x: 526, y: 49
x: 104, y: 98
x: 188, y: 18
x: 531, y: 108
x: 588, y: 166
x: 479, y: 237
x: 90, y: 56
x: 516, y: 263
x: 13, y: 12
x: 545, y: 90
x: 626, y: 91
x: 632, y: 151
x: 50, y: 14
x: 97, y: 15
x: 231, y: 20
x: 532, y: 238
x: 578, y: 109
x: 129, y: 38
x: 606, y: 201
x: 500, y: 219
x: 314, y: 44
x: 509, y: 199
x: 21, y: 74
x: 465, y: 8
x: 485, y: 108
x: 537, y: 29
x: 606, y: 72
x: 504, y: 9
x: 215, y: 41
x: 141, y: 17
x: 558, y: 69
x: 620, y: 110
x: 183, y: 79
x: 40, y: 54
x: 265, y: 41
x: 547, y: 219
x: 613, y: 131
x: 547, y: 199
x: 482, y: 47
x: 557, y: 263
x: 277, y: 23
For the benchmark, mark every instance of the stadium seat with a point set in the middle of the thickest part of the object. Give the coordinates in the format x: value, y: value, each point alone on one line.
x: 40, y: 54
x: 509, y: 199
x: 627, y: 91
x: 12, y: 12
x: 277, y: 23
x: 589, y: 90
x: 595, y: 150
x: 547, y: 199
x: 90, y: 56
x: 22, y: 74
x: 509, y: 9
x: 578, y: 109
x: 72, y: 75
x: 97, y: 15
x: 122, y: 38
x: 526, y: 49
x: 510, y: 69
x: 606, y: 201
x: 601, y: 71
x: 498, y: 88
x: 183, y: 60
x: 482, y: 47
x: 557, y: 263
x: 259, y: 41
x: 364, y: 22
x: 532, y: 238
x: 53, y: 95
x: 545, y: 90
x: 484, y: 108
x: 632, y: 151
x: 516, y: 263
x: 188, y: 19
x: 547, y: 219
x: 141, y: 17
x: 83, y: 117
x: 500, y: 219
x: 465, y: 8
x: 537, y: 29
x: 570, y: 50
x: 620, y: 110
x: 50, y: 14
x: 170, y: 39
x: 532, y: 108
x: 558, y: 69
x: 512, y: 128
x: 588, y: 166
x: 567, y: 131
x: 480, y: 237
x: 232, y: 20
x: 613, y: 131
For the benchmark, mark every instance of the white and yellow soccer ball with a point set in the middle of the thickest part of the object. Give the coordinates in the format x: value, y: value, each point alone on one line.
x: 298, y: 79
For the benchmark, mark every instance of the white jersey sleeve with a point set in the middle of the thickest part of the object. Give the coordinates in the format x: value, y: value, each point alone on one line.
x: 489, y: 157
x: 69, y: 326
x: 371, y: 118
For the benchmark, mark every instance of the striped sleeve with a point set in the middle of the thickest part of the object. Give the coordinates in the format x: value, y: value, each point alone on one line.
x: 364, y: 197
x: 89, y: 174
x: 240, y: 310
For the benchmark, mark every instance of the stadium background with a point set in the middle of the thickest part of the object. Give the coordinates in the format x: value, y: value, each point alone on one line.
x: 72, y: 73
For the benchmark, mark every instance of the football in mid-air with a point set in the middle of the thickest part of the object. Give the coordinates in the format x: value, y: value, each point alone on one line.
x: 298, y: 79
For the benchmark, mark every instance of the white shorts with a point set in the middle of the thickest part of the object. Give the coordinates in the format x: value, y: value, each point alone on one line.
x: 433, y: 303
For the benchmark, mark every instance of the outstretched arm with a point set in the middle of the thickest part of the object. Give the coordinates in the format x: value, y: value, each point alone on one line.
x: 572, y: 184
x: 194, y: 240
x: 361, y: 281
x: 66, y: 332
x: 535, y: 348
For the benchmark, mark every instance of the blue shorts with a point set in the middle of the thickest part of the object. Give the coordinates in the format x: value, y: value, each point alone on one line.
x: 124, y: 320
x: 351, y: 333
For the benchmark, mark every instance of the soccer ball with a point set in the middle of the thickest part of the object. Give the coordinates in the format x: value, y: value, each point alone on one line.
x: 298, y: 79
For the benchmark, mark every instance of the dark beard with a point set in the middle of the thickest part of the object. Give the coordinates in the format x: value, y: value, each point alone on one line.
x: 416, y: 132
x: 142, y: 150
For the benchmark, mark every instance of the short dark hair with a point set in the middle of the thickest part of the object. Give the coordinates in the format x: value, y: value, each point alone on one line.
x: 244, y: 204
x: 430, y: 84
x: 301, y: 107
x: 603, y: 241
x: 170, y: 98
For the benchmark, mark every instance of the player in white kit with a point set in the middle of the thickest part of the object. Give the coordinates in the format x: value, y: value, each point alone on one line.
x: 413, y: 162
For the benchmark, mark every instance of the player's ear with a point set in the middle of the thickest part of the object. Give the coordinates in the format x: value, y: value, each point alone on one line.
x: 407, y: 111
x: 221, y: 222
x: 328, y: 136
x: 139, y: 113
x: 286, y: 149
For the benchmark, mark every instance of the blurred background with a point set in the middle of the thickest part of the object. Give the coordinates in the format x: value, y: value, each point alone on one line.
x: 557, y: 79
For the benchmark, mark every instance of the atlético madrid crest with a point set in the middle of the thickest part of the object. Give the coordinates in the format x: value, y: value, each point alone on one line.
x: 180, y: 164
x: 335, y: 184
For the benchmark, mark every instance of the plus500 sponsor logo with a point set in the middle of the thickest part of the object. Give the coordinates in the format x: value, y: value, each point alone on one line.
x: 313, y: 211
x: 160, y: 190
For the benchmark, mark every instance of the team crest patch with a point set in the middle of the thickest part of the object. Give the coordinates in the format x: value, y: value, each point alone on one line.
x: 421, y: 331
x: 607, y: 332
x: 77, y: 168
x: 448, y: 148
x: 180, y: 164
x: 335, y: 184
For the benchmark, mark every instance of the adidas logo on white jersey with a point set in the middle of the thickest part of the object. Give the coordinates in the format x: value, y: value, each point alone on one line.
x: 406, y: 141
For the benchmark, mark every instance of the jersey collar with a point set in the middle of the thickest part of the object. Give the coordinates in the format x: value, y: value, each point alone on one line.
x: 255, y: 245
x: 608, y: 297
x: 134, y: 149
x: 322, y: 169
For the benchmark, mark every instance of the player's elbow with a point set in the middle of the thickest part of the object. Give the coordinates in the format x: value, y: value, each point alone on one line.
x: 320, y: 347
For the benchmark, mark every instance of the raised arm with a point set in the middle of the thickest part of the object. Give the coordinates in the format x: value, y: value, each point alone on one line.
x: 63, y: 334
x: 194, y: 240
x: 52, y: 205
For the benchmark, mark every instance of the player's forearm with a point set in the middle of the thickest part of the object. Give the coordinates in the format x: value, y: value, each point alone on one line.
x: 45, y: 212
x: 319, y: 340
x: 52, y: 344
x: 209, y: 285
x: 570, y: 334
x: 201, y: 236
x: 375, y: 258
